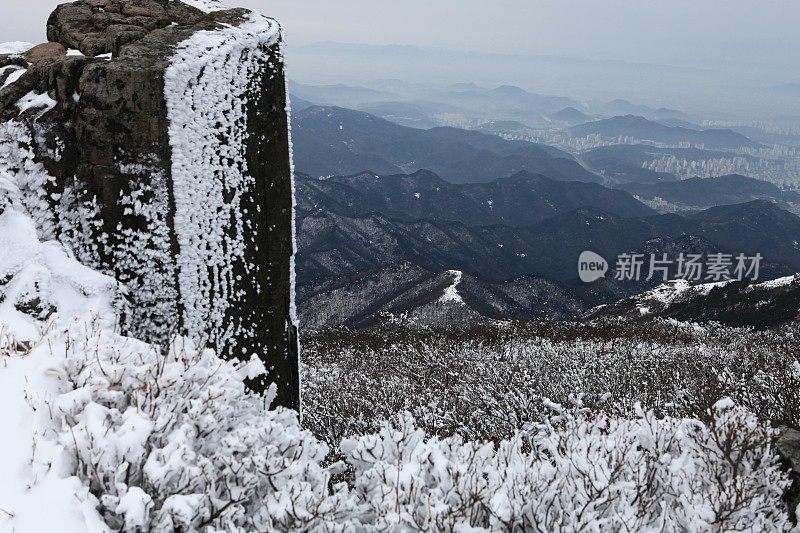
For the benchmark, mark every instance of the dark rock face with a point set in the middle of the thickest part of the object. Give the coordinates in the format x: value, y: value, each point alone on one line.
x: 788, y: 448
x: 98, y: 27
x: 166, y: 166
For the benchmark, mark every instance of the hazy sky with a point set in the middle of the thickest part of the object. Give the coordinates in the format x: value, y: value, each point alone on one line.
x: 758, y: 38
x: 664, y: 31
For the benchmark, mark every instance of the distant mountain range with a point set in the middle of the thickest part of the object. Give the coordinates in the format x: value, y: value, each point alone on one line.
x: 519, y: 200
x: 337, y: 141
x: 446, y: 225
x: 760, y: 305
x: 643, y: 129
x: 390, y: 99
x: 508, y: 97
x: 333, y: 246
x: 445, y: 297
x: 570, y: 116
x: 371, y: 245
x: 701, y: 193
x: 354, y: 269
x: 339, y: 94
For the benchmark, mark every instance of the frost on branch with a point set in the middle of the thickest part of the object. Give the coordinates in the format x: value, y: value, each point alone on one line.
x: 175, y: 442
x: 584, y: 473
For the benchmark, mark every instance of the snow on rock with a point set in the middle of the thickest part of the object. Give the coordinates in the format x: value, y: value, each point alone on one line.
x: 40, y: 278
x: 34, y: 100
x: 451, y: 292
x: 206, y: 6
x: 292, y: 260
x: 209, y: 170
x: 105, y: 430
x: 14, y: 76
x: 23, y: 173
x: 189, y: 208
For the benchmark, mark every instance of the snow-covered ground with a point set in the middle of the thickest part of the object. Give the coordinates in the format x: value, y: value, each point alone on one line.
x: 33, y: 497
x: 44, y: 289
x: 451, y: 292
x: 15, y: 47
x: 104, y: 432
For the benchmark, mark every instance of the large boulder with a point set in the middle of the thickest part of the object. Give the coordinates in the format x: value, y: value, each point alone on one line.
x: 788, y: 448
x: 165, y: 162
x: 44, y: 50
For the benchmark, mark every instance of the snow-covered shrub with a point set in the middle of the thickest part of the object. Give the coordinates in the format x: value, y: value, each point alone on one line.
x: 171, y: 441
x: 582, y: 473
x: 485, y: 383
x: 174, y: 441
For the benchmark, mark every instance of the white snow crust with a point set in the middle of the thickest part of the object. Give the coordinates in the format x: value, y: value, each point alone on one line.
x: 451, y: 292
x: 206, y: 6
x: 15, y: 47
x: 206, y: 89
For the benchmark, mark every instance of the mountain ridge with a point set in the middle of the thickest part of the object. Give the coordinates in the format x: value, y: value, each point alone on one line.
x: 520, y: 199
x: 647, y: 130
x: 337, y: 141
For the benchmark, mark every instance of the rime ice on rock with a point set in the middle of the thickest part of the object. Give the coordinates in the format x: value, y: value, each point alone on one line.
x: 154, y: 144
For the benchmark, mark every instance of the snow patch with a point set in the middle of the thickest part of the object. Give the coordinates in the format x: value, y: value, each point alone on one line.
x: 775, y: 283
x: 15, y: 47
x: 451, y: 292
x: 253, y: 368
x: 14, y: 76
x: 206, y: 6
x: 43, y: 279
x: 34, y: 100
x: 675, y: 290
